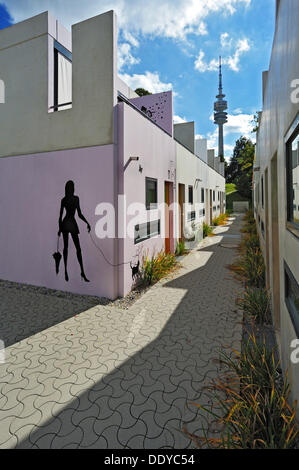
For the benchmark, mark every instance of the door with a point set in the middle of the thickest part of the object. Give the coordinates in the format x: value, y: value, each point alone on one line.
x: 275, y: 244
x: 168, y: 218
x: 207, y: 206
x: 181, y: 211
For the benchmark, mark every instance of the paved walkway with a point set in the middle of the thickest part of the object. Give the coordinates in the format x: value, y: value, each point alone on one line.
x: 114, y: 378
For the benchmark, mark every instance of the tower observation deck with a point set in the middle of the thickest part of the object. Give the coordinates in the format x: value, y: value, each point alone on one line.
x: 220, y: 116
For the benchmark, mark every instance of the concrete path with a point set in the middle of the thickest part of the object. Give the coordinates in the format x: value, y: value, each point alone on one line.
x: 114, y: 378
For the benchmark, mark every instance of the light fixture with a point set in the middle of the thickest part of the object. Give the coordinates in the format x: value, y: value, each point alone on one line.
x: 131, y: 159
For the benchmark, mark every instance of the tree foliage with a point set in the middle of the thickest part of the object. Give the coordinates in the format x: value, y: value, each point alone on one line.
x: 239, y: 170
x: 142, y: 92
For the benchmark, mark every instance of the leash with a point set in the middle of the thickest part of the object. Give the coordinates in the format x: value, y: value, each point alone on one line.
x: 107, y: 261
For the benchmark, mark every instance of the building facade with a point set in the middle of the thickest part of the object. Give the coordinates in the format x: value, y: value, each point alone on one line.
x: 83, y: 156
x: 276, y: 189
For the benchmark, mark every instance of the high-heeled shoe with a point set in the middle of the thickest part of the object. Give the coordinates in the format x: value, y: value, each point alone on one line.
x: 66, y: 276
x: 84, y: 277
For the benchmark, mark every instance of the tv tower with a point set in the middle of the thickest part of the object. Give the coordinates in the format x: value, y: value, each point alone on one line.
x: 220, y: 116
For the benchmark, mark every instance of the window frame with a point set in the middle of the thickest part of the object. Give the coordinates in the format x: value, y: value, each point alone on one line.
x: 149, y: 234
x: 288, y: 276
x: 292, y: 134
x: 59, y: 49
x: 152, y: 205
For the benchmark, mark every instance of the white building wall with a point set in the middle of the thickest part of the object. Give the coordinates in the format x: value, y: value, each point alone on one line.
x: 190, y: 169
x: 27, y: 69
x: 279, y: 112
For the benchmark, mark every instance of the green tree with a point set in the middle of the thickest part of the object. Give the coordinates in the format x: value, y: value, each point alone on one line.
x: 245, y: 157
x: 142, y: 92
x: 239, y: 170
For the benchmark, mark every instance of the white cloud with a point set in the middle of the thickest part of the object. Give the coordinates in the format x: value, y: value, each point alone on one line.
x: 178, y: 119
x: 240, y: 124
x: 237, y: 111
x: 237, y: 126
x: 203, y: 66
x: 131, y: 39
x: 169, y: 18
x: 241, y: 46
x: 234, y: 61
x: 225, y: 41
x: 149, y: 80
x: 125, y: 56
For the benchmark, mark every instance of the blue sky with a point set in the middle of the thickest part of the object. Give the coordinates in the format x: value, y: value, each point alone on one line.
x: 175, y: 44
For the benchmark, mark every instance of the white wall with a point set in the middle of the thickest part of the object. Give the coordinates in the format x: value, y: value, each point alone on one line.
x: 189, y: 168
x: 278, y: 115
x: 26, y: 64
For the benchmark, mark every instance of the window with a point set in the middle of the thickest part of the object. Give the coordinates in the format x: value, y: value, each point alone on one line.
x: 62, y: 78
x: 202, y: 195
x: 292, y: 297
x: 292, y: 166
x: 146, y: 230
x: 190, y: 195
x: 218, y: 196
x: 191, y: 216
x: 262, y: 183
x: 151, y: 193
x: 213, y: 195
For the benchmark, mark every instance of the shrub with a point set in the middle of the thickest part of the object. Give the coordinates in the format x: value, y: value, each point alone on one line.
x: 253, y: 403
x: 256, y: 303
x: 206, y: 229
x: 155, y: 267
x: 253, y: 267
x: 215, y: 221
x: 250, y: 241
x: 180, y: 248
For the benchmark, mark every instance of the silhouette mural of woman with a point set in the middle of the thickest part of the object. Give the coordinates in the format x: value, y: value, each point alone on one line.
x: 71, y: 204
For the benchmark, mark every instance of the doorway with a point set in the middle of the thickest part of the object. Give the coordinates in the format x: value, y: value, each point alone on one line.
x: 168, y: 217
x: 211, y: 207
x: 181, y: 211
x: 275, y: 244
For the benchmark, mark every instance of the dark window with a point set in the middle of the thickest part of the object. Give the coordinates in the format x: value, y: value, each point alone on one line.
x: 218, y: 196
x: 151, y: 193
x: 146, y: 230
x: 62, y: 78
x: 202, y: 195
x: 190, y: 194
x: 191, y: 216
x: 293, y: 178
x: 292, y: 297
x: 213, y: 195
x: 262, y: 191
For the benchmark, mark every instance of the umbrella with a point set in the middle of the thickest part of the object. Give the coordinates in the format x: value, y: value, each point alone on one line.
x: 57, y: 257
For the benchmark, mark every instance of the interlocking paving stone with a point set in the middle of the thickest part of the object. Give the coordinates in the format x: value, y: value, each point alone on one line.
x: 83, y: 375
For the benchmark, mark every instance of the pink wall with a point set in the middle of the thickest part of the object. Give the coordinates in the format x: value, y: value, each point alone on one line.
x: 160, y: 106
x: 156, y: 151
x: 31, y: 188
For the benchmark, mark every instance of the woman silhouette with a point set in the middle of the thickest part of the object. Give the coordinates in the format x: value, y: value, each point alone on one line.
x: 71, y: 203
